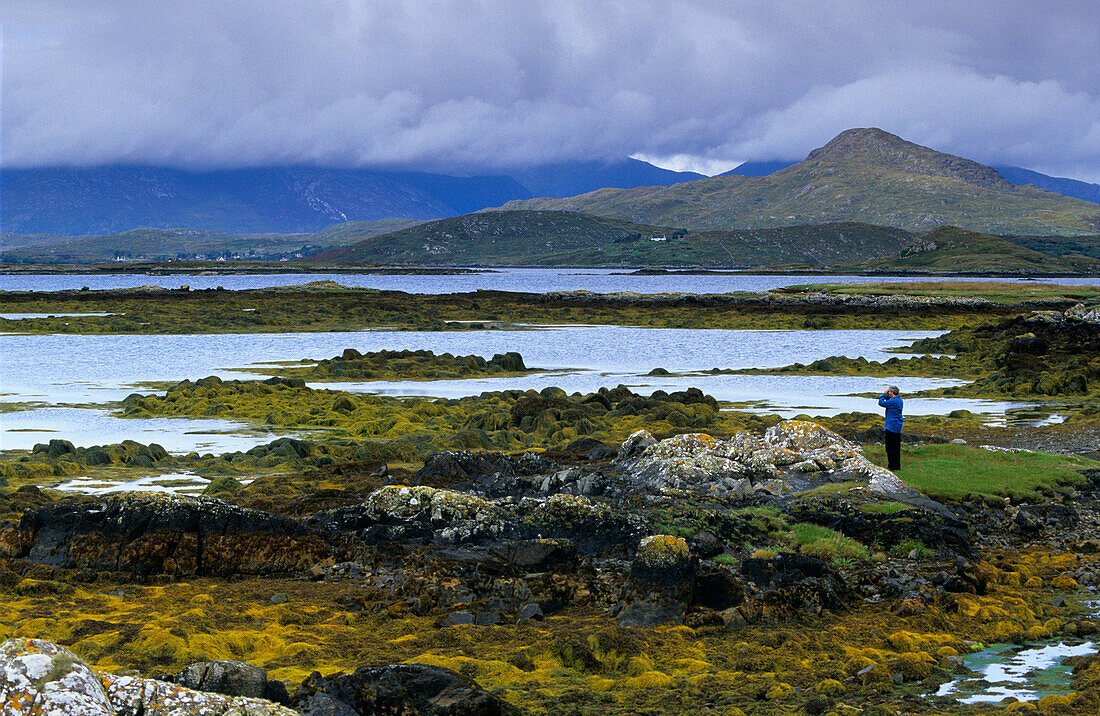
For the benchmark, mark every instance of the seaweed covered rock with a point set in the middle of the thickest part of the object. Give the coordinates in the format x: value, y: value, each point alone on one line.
x: 400, y: 689
x: 408, y: 365
x: 663, y: 575
x: 147, y: 534
x: 451, y: 467
x: 39, y: 677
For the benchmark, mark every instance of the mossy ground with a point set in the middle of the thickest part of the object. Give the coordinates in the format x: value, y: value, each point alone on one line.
x: 576, y: 662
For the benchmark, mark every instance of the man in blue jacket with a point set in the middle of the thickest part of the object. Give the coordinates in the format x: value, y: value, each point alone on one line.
x: 891, y: 400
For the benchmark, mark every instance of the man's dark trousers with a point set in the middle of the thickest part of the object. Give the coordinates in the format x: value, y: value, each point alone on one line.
x: 893, y: 449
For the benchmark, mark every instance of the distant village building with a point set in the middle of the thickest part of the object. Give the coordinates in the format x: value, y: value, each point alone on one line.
x: 658, y: 238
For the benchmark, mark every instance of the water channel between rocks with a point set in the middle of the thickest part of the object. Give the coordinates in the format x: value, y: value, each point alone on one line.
x: 54, y: 373
x: 1024, y: 673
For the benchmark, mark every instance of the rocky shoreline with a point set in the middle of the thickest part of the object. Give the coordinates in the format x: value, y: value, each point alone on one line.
x: 644, y: 538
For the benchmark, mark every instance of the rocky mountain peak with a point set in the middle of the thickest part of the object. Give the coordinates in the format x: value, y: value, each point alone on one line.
x: 872, y: 146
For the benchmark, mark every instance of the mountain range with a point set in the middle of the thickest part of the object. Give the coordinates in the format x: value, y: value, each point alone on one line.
x: 101, y: 200
x: 850, y: 179
x: 863, y: 175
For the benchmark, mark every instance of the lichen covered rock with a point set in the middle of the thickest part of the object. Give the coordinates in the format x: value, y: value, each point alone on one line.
x: 791, y: 455
x: 39, y: 678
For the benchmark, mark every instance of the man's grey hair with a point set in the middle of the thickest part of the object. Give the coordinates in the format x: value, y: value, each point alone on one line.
x: 894, y: 389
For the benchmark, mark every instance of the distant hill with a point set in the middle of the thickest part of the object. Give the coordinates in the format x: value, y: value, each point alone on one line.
x: 1081, y: 245
x: 1059, y: 185
x: 74, y: 201
x: 184, y: 244
x: 568, y: 238
x: 951, y: 249
x: 572, y: 178
x: 862, y: 175
x: 758, y: 169
x: 85, y: 201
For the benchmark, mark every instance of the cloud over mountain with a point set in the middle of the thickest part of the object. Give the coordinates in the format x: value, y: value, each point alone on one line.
x: 490, y: 84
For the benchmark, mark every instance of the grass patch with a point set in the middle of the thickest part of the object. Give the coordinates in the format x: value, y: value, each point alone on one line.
x: 884, y: 508
x: 961, y: 472
x: 906, y: 548
x: 824, y: 543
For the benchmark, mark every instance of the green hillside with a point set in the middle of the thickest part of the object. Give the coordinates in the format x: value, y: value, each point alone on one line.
x: 572, y: 239
x: 189, y: 244
x: 862, y: 175
x: 951, y: 249
x: 1060, y: 245
x: 503, y: 237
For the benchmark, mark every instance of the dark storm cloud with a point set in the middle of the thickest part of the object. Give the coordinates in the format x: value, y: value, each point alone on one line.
x: 483, y: 84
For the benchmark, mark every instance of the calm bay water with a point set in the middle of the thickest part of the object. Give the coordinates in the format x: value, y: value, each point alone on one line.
x: 58, y: 372
x: 529, y: 280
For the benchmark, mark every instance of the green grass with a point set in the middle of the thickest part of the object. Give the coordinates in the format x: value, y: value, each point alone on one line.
x: 904, y: 549
x: 960, y: 472
x: 824, y: 543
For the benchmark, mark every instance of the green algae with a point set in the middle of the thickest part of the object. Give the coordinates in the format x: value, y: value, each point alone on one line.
x: 404, y: 429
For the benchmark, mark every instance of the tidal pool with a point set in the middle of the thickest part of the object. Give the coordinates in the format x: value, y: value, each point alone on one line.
x: 1024, y: 673
x: 180, y: 483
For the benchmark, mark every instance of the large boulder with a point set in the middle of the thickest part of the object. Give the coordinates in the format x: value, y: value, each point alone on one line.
x: 793, y: 584
x: 397, y: 690
x: 147, y: 534
x: 662, y: 577
x: 39, y: 678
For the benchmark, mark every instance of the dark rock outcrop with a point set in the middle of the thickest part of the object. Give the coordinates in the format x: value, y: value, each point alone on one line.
x: 794, y: 583
x: 148, y: 534
x: 397, y: 690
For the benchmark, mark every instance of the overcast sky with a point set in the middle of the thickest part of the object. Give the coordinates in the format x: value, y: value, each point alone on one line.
x: 476, y: 85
